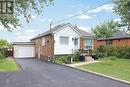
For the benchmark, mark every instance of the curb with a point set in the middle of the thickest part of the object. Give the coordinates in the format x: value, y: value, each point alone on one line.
x: 103, y: 75
x: 20, y: 68
x: 95, y: 73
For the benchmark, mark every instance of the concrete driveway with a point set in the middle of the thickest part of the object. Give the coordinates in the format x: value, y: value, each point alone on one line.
x: 37, y: 73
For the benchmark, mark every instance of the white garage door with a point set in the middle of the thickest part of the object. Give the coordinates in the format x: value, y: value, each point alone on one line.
x: 24, y: 51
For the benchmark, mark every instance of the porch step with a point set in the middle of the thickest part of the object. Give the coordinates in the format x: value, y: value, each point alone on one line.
x: 88, y: 58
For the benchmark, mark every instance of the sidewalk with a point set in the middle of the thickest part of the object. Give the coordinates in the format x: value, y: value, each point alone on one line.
x: 81, y: 63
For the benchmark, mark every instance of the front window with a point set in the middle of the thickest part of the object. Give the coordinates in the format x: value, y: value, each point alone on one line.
x: 87, y: 44
x: 109, y: 42
x: 64, y: 40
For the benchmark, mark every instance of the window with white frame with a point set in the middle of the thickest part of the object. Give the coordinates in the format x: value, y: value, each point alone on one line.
x: 64, y: 40
x: 88, y: 44
x: 43, y: 41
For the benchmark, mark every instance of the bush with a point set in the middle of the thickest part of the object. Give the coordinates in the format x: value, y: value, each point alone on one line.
x: 111, y: 51
x: 63, y: 59
x: 101, y: 51
x: 60, y: 59
x: 100, y: 55
x: 76, y: 56
x: 120, y: 52
x: 123, y: 52
x: 2, y: 55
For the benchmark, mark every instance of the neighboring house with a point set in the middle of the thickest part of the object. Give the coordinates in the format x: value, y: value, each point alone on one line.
x: 61, y: 40
x: 119, y: 38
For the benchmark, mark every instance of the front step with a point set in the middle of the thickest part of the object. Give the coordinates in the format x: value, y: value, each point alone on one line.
x: 88, y: 58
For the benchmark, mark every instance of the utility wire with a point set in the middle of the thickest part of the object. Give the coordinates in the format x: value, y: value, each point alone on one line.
x: 60, y: 21
x: 81, y: 13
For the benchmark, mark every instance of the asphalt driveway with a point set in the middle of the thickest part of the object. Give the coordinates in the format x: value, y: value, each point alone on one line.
x: 37, y: 73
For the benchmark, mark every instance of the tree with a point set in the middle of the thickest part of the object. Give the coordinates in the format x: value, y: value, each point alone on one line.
x: 122, y: 8
x: 106, y: 30
x: 4, y: 43
x: 23, y: 8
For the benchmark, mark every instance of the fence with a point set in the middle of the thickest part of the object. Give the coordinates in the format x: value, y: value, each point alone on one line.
x: 7, y: 51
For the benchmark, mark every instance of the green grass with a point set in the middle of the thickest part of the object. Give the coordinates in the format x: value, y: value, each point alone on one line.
x: 119, y: 68
x: 7, y: 65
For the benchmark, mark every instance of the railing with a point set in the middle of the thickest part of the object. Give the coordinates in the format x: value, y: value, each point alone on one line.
x: 88, y: 47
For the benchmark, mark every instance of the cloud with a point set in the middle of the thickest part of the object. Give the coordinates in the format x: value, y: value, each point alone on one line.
x: 25, y: 35
x: 73, y: 6
x: 49, y: 20
x: 42, y: 20
x: 33, y: 16
x: 30, y: 30
x: 84, y: 17
x: 106, y: 7
x: 17, y: 34
x: 79, y: 11
x: 117, y: 19
x: 21, y: 38
x: 88, y: 29
x: 70, y: 15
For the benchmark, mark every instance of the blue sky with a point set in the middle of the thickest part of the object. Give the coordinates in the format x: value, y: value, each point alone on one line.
x: 60, y: 10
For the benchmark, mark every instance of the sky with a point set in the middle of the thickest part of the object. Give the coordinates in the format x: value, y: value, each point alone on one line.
x: 60, y: 10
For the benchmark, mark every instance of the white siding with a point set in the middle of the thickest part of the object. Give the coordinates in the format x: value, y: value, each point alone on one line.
x: 60, y: 49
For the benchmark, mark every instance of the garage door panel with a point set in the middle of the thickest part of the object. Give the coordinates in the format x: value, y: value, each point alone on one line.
x: 24, y: 51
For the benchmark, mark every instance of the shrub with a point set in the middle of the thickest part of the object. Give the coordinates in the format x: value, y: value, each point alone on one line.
x: 2, y: 55
x: 69, y: 57
x: 111, y: 51
x: 101, y: 51
x: 112, y: 58
x: 122, y: 52
x: 63, y: 59
x: 76, y: 56
x: 60, y: 59
x: 100, y: 55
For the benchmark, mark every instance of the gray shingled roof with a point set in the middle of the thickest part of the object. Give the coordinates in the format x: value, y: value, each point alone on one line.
x: 118, y: 35
x: 82, y: 32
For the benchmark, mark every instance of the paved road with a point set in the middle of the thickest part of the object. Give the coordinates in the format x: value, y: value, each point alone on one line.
x: 37, y: 73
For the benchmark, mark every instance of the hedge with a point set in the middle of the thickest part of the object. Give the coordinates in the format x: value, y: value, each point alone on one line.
x: 120, y: 51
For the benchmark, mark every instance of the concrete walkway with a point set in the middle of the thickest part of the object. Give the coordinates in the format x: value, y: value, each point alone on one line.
x: 81, y: 63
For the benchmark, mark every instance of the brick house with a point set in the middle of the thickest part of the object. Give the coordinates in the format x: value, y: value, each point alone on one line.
x: 119, y: 38
x: 61, y: 40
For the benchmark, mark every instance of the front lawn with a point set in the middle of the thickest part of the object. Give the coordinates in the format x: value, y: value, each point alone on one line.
x: 8, y: 65
x: 119, y: 68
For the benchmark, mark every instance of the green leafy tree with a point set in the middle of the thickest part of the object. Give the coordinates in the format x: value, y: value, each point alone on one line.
x: 106, y: 30
x: 122, y: 8
x: 23, y: 8
x: 4, y: 43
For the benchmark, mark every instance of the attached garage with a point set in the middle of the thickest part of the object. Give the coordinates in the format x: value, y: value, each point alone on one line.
x: 24, y: 50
